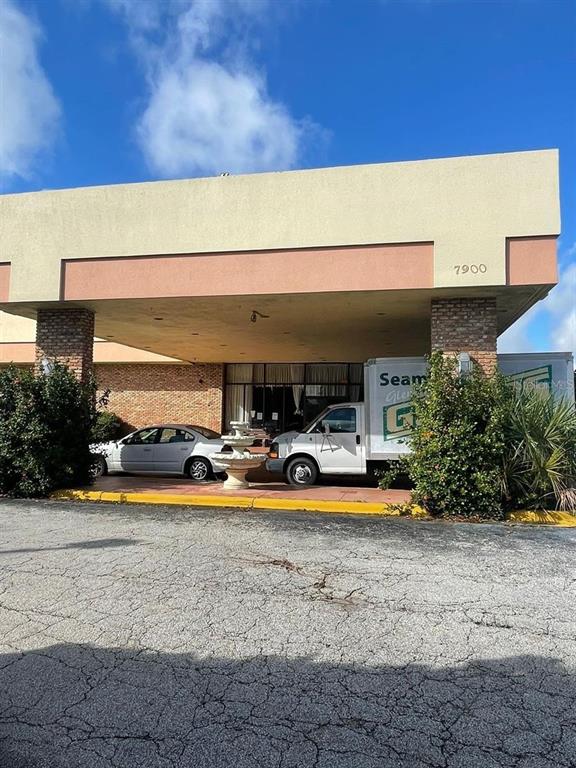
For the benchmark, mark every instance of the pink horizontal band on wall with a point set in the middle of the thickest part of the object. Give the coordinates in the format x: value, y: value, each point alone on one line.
x: 531, y: 261
x: 310, y: 270
x: 17, y: 352
x: 4, y: 281
x: 104, y: 352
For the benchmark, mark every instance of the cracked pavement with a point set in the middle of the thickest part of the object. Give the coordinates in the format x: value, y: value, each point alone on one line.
x: 136, y: 637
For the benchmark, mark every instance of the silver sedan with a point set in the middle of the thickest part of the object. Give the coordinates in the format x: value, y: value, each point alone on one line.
x: 162, y: 449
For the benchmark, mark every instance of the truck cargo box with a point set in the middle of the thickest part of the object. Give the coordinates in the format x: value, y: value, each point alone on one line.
x: 388, y: 385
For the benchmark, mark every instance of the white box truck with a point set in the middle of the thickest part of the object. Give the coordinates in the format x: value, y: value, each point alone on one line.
x: 355, y: 438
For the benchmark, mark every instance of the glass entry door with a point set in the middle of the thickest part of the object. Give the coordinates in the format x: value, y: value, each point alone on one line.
x: 273, y: 409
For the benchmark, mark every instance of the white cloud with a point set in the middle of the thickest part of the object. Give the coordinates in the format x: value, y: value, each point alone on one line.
x: 29, y: 110
x: 561, y: 304
x: 557, y: 313
x: 204, y: 119
x: 208, y: 108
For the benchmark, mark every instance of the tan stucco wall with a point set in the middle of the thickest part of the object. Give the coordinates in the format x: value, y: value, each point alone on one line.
x: 16, y: 329
x: 466, y: 205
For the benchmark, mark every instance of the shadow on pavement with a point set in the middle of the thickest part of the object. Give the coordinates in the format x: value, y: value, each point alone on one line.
x: 77, y: 706
x: 90, y: 544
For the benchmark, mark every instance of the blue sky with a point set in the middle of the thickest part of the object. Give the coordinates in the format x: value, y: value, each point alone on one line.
x: 108, y: 91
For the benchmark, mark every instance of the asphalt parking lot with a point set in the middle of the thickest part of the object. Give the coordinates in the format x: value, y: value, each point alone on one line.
x: 157, y: 637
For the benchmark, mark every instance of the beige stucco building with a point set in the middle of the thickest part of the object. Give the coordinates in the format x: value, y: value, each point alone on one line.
x: 292, y: 279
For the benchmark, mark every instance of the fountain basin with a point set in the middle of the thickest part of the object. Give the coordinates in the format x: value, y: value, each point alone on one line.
x: 237, y: 467
x: 239, y: 461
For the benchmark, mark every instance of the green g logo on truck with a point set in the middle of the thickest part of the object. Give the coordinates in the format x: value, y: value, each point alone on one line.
x: 398, y: 420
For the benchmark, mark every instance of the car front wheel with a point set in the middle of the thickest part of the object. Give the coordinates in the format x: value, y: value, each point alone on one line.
x: 199, y: 470
x: 99, y: 467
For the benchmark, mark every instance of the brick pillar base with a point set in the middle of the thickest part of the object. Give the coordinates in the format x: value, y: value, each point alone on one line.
x: 66, y: 336
x: 466, y: 325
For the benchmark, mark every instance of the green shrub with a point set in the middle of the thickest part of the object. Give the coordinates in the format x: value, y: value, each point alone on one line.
x: 387, y: 474
x: 108, y: 426
x: 45, y: 428
x: 458, y: 441
x: 539, y: 460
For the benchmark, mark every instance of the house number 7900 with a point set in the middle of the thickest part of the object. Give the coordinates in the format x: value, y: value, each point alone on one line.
x: 461, y: 269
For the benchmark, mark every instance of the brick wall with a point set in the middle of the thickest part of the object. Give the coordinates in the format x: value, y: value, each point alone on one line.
x: 143, y: 394
x: 466, y: 325
x: 66, y: 335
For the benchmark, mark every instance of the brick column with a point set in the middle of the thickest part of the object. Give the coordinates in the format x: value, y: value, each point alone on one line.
x: 466, y: 325
x: 66, y: 336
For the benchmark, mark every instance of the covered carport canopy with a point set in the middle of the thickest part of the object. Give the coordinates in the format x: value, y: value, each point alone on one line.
x: 327, y: 326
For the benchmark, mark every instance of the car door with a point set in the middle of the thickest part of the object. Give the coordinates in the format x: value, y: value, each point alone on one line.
x: 172, y: 449
x: 338, y: 446
x: 137, y: 451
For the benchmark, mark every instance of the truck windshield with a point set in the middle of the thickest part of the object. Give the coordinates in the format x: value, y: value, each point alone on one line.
x: 315, y: 424
x: 337, y: 420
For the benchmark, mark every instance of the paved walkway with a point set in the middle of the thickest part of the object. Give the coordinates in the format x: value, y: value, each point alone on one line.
x: 170, y: 637
x: 279, y: 490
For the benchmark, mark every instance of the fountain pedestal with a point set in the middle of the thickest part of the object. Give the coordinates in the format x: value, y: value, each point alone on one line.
x: 239, y: 460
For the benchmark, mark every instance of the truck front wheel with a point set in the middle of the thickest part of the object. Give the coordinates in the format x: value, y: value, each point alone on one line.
x: 302, y: 471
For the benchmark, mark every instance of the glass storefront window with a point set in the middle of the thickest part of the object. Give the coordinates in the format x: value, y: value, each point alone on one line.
x: 327, y: 373
x: 240, y: 373
x: 277, y: 397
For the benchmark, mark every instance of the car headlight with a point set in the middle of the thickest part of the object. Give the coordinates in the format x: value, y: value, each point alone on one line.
x: 273, y: 451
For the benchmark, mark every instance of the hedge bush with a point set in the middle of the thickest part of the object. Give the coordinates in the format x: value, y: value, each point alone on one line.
x: 480, y: 447
x: 458, y: 441
x: 107, y: 426
x: 46, y: 422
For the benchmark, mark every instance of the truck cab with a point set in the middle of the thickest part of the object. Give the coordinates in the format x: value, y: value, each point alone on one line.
x: 333, y: 443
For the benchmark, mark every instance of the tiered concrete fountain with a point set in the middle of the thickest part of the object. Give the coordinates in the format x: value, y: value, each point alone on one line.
x: 238, y: 461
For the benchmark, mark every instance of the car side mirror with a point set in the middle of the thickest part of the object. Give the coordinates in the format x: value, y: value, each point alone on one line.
x: 326, y: 427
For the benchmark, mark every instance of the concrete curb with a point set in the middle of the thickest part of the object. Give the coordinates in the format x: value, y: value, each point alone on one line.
x: 561, y: 519
x: 243, y: 502
x: 381, y: 509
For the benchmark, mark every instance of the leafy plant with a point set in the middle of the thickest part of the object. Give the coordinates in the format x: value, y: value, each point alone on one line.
x: 458, y: 441
x: 45, y: 429
x: 107, y: 426
x: 539, y: 460
x: 387, y: 475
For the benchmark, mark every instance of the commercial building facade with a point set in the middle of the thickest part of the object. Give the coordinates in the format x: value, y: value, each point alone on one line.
x: 261, y: 296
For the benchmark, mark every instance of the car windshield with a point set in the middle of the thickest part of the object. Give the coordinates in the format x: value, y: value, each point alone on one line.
x: 209, y: 434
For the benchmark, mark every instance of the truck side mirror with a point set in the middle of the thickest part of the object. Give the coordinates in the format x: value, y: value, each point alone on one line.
x: 326, y: 427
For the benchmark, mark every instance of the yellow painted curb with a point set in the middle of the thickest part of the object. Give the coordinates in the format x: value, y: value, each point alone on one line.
x: 244, y: 502
x: 561, y: 519
x: 383, y: 509
x: 338, y: 507
x: 120, y: 497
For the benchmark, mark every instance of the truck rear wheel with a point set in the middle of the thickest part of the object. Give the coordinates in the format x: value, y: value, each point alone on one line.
x: 302, y: 471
